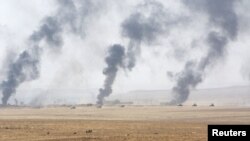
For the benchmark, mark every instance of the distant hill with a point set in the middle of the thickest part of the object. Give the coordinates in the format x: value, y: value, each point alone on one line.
x: 236, y: 95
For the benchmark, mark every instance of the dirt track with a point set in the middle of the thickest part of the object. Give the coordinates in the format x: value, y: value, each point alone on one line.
x: 115, y: 123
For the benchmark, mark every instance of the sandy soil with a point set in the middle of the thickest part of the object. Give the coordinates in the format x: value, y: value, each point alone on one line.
x: 141, y: 123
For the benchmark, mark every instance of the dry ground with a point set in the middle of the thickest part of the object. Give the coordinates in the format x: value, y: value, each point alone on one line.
x: 148, y: 123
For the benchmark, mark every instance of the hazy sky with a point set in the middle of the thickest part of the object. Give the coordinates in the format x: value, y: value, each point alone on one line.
x: 80, y: 62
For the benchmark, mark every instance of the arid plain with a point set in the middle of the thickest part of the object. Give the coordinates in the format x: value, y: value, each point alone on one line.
x: 114, y: 123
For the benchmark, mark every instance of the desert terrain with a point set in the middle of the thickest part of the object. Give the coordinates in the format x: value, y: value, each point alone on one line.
x: 114, y: 123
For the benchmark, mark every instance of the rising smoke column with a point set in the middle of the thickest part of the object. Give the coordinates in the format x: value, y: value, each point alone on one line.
x: 113, y: 61
x: 221, y: 16
x: 26, y: 66
x: 140, y: 28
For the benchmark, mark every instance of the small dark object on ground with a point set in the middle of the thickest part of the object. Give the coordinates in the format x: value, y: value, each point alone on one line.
x: 48, y: 133
x: 89, y: 105
x: 211, y: 105
x: 75, y: 133
x: 194, y: 105
x: 122, y: 106
x: 73, y: 107
x: 89, y: 131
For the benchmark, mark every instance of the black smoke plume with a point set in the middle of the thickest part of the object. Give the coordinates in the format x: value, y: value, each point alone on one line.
x: 26, y: 66
x: 221, y: 16
x: 140, y: 28
x: 113, y: 61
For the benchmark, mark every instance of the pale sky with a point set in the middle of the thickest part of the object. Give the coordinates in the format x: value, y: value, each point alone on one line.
x: 80, y: 62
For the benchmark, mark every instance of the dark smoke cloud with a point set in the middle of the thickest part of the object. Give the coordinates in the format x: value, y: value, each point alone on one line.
x: 67, y: 17
x: 26, y: 66
x: 140, y: 28
x: 50, y: 31
x: 187, y: 78
x: 217, y: 45
x: 74, y: 14
x: 221, y: 16
x: 113, y: 61
x: 221, y: 13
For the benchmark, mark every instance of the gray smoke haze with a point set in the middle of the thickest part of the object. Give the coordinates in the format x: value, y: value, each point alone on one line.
x: 221, y: 16
x: 188, y: 78
x: 67, y: 17
x: 26, y: 66
x: 50, y: 31
x: 140, y: 28
x: 113, y: 60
